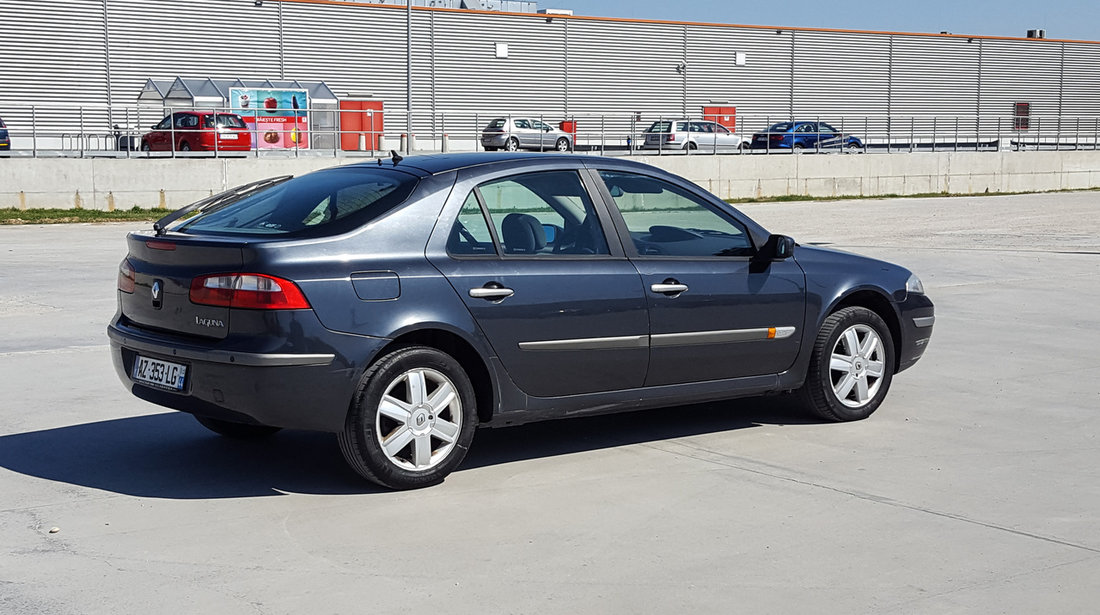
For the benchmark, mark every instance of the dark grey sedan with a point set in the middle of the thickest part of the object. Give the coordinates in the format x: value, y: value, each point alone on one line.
x: 402, y: 303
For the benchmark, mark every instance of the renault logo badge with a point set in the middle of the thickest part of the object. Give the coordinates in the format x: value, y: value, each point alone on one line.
x: 158, y: 286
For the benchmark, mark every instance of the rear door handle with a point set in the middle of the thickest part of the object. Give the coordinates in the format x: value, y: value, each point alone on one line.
x: 669, y: 288
x: 491, y: 293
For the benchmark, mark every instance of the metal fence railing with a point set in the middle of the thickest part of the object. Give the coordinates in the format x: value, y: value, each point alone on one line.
x: 146, y: 132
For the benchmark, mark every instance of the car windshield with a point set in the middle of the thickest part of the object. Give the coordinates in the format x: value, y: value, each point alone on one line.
x: 225, y: 120
x: 322, y: 203
x: 780, y: 127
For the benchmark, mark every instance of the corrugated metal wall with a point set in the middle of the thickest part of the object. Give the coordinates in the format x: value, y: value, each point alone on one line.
x: 57, y: 53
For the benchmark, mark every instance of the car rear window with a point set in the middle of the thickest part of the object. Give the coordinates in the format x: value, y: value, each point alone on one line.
x: 496, y: 124
x: 227, y: 120
x: 781, y: 127
x: 323, y: 203
x: 660, y: 127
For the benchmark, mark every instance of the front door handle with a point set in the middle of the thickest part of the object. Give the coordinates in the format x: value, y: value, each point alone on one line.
x: 669, y: 287
x: 491, y: 293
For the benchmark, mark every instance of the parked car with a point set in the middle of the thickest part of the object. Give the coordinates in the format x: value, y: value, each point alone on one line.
x: 515, y: 133
x: 691, y: 135
x: 199, y: 131
x: 5, y: 140
x: 804, y: 135
x: 402, y: 304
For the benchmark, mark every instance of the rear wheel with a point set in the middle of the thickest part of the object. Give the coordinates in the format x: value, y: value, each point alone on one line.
x: 412, y: 420
x: 185, y: 147
x: 851, y: 366
x: 691, y: 146
x: 511, y: 144
x: 562, y: 145
x: 798, y: 147
x: 240, y: 431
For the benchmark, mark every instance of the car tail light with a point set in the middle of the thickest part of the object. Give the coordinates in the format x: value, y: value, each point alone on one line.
x: 126, y: 278
x: 247, y: 290
x: 671, y: 138
x: 776, y: 137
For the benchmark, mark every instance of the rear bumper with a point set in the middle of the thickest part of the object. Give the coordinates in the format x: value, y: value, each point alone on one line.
x: 296, y: 390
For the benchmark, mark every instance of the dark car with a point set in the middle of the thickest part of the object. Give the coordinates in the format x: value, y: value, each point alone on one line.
x: 200, y: 131
x: 795, y: 136
x: 401, y: 304
x: 5, y: 140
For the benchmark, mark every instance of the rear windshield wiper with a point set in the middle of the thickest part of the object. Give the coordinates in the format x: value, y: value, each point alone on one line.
x: 213, y: 201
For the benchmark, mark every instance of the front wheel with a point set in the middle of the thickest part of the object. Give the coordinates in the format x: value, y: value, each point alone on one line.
x: 412, y: 420
x: 562, y: 145
x: 851, y: 366
x: 145, y: 146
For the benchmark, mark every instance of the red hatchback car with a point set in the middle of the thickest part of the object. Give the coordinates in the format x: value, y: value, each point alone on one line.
x: 187, y: 131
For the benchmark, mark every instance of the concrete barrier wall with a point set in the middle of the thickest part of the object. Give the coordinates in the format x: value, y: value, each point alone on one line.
x: 108, y: 183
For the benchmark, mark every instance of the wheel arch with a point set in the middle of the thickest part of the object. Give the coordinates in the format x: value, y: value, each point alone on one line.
x: 463, y: 352
x: 879, y: 304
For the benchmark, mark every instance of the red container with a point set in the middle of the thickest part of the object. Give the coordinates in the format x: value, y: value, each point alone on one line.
x: 569, y: 126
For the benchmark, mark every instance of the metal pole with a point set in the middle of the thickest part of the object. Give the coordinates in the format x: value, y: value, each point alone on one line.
x: 34, y: 133
x: 408, y: 74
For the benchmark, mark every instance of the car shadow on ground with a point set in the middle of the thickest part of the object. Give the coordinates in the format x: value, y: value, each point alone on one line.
x: 171, y: 456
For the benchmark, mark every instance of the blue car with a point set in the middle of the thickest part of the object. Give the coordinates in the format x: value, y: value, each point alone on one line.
x: 5, y: 140
x: 401, y: 304
x: 804, y: 135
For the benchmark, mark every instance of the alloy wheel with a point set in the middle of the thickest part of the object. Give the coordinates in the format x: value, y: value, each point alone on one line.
x: 419, y: 418
x: 857, y: 366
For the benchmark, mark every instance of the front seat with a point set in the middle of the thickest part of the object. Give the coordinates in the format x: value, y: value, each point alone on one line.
x: 523, y: 234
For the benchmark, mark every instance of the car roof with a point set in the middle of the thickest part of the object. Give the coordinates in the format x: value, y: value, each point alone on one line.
x: 433, y: 164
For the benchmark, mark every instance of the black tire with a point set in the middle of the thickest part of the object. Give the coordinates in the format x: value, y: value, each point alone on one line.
x: 185, y: 147
x: 145, y: 146
x: 512, y: 144
x: 240, y: 431
x: 798, y: 147
x: 562, y: 145
x: 367, y: 426
x: 821, y: 393
x: 691, y: 146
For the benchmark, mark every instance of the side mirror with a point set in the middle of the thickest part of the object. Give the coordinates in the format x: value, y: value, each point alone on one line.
x: 777, y: 248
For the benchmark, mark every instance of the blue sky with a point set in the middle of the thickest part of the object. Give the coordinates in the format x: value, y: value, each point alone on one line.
x: 1071, y: 19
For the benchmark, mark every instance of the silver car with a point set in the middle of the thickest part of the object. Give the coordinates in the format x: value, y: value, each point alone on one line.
x: 513, y: 133
x: 692, y: 135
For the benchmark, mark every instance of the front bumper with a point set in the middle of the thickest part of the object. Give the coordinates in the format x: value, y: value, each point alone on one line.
x: 918, y: 316
x: 224, y: 380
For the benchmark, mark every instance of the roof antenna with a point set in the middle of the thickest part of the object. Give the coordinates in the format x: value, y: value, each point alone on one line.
x: 396, y: 157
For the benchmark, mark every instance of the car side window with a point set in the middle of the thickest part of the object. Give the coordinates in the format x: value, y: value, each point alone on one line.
x: 164, y: 124
x: 543, y: 214
x: 666, y: 220
x: 825, y: 128
x: 537, y: 125
x: 522, y: 124
x: 470, y: 234
x: 720, y: 129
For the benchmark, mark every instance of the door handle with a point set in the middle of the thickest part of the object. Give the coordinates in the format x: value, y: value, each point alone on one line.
x: 491, y: 293
x: 669, y: 287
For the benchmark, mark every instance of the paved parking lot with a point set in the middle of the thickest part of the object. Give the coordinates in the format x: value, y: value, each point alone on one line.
x: 974, y: 489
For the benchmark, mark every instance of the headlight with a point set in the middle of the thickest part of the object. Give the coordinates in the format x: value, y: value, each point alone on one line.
x: 913, y: 285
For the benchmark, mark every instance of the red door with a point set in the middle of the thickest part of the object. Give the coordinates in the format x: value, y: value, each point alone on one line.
x: 726, y: 116
x: 360, y: 119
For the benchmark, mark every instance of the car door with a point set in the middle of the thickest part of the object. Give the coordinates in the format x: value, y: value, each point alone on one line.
x: 715, y: 312
x: 542, y: 130
x: 561, y: 306
x: 161, y: 137
x: 528, y: 138
x: 724, y: 138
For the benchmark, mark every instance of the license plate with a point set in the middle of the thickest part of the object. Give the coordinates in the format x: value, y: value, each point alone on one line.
x: 159, y: 373
x: 229, y: 135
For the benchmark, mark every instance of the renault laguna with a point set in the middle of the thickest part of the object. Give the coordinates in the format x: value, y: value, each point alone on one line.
x: 403, y: 303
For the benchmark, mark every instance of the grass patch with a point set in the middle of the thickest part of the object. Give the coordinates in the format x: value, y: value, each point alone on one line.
x: 924, y: 195
x: 11, y: 215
